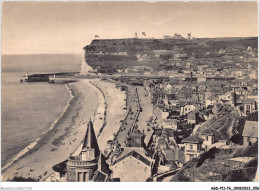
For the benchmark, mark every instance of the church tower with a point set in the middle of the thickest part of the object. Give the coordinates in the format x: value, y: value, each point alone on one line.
x: 81, y: 167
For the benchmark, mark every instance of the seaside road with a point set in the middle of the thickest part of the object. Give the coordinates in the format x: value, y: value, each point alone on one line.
x: 134, y: 109
x: 145, y: 115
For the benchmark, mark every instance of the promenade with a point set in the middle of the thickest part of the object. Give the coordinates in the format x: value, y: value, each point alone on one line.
x: 133, y: 107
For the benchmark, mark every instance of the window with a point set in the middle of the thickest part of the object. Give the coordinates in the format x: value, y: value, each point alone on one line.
x: 206, y: 138
x: 185, y: 109
x: 247, y: 106
x: 79, y: 176
x: 191, y: 146
x: 85, y: 179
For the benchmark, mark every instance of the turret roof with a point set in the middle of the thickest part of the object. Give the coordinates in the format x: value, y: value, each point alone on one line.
x: 90, y: 140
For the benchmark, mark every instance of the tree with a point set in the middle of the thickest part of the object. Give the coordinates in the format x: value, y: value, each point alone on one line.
x: 237, y: 139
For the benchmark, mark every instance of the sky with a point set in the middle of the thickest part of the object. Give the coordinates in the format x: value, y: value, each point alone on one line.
x: 66, y: 27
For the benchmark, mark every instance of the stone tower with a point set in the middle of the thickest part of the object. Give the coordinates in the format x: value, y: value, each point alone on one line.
x: 81, y: 168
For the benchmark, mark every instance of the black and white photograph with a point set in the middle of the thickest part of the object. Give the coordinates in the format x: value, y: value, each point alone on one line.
x: 121, y: 91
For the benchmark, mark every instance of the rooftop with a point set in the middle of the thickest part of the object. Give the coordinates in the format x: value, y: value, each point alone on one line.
x: 90, y: 140
x: 208, y: 132
x: 250, y: 129
x: 248, y: 100
x: 193, y: 139
x: 137, y: 152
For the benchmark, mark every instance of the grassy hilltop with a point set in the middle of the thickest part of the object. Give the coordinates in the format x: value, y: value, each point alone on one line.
x: 112, y: 54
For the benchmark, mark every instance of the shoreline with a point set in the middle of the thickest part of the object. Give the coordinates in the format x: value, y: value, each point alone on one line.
x: 101, y: 101
x: 105, y: 112
x: 32, y: 147
x: 67, y: 134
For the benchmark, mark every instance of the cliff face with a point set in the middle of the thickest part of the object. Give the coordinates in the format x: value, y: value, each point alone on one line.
x: 85, y: 68
x: 109, y: 55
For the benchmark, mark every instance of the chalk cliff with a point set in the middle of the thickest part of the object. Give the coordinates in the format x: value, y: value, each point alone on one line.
x: 110, y: 55
x: 85, y: 68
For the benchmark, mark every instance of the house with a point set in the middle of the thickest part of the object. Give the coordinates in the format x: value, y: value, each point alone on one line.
x: 193, y: 117
x: 160, y: 114
x: 209, y: 136
x: 170, y: 124
x: 250, y: 132
x: 193, y: 147
x: 132, y: 165
x: 186, y: 108
x: 249, y: 106
x: 210, y: 101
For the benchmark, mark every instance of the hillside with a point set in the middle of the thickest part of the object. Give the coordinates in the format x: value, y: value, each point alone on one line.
x: 222, y: 124
x: 234, y: 164
x: 109, y: 55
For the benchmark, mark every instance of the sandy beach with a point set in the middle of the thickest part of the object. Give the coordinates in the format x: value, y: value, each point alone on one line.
x: 66, y: 136
x: 115, y: 102
x: 97, y: 100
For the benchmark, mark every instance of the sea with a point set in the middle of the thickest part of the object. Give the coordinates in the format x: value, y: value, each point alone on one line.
x: 29, y: 109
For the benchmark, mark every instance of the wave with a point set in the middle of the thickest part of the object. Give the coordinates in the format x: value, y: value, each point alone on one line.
x: 33, y: 144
